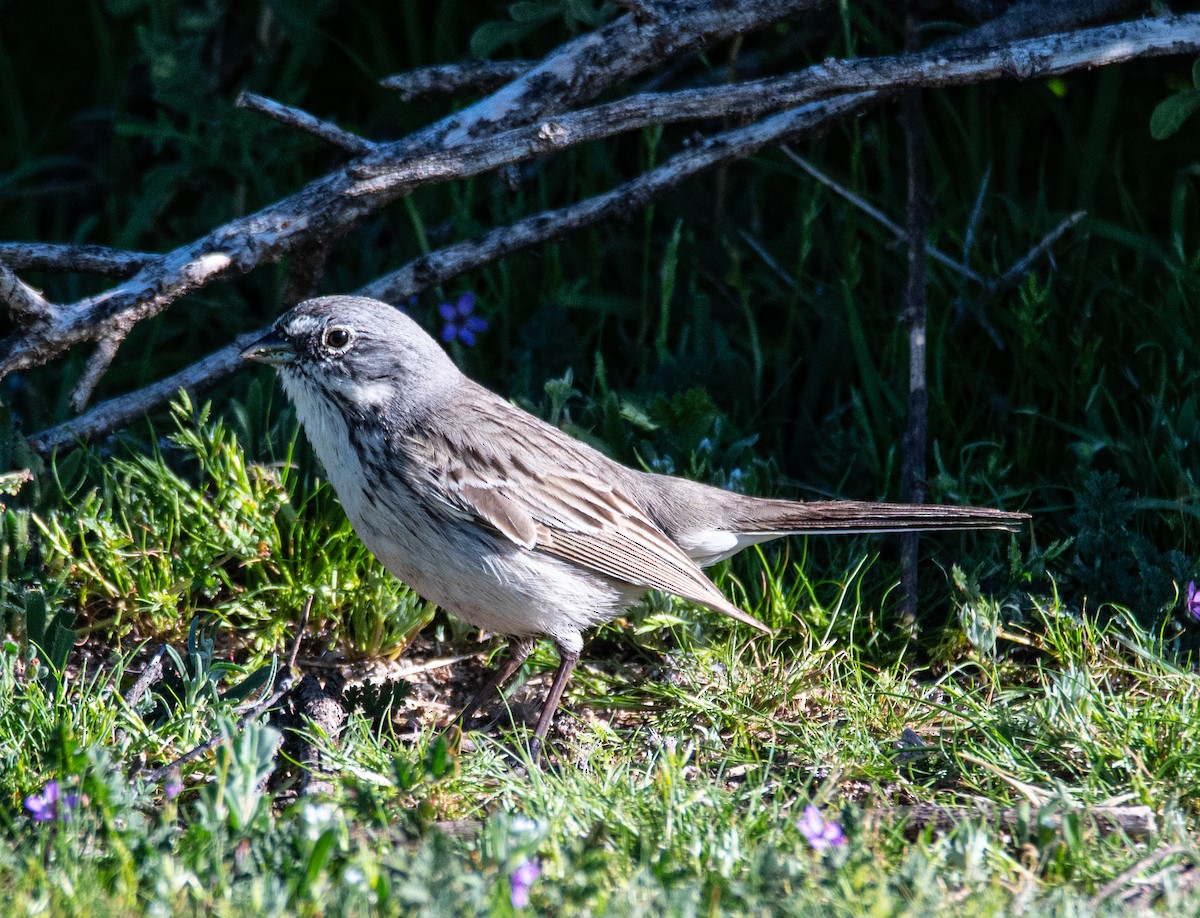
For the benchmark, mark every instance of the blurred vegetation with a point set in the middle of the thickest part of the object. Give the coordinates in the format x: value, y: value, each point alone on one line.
x: 743, y: 329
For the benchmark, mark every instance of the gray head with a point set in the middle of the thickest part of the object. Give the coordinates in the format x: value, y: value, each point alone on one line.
x: 360, y: 353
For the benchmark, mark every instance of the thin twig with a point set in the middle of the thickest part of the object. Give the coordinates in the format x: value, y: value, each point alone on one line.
x: 976, y: 213
x: 301, y: 627
x: 24, y: 303
x: 303, y: 121
x: 415, y: 670
x: 1021, y: 267
x: 97, y: 365
x: 1125, y: 877
x: 1134, y: 821
x: 283, y: 685
x: 117, y: 412
x: 876, y: 214
x: 454, y: 79
x: 914, y: 315
x: 1014, y: 275
x: 151, y: 673
x: 767, y: 258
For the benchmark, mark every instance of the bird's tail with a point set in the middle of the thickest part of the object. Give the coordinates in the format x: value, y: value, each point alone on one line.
x: 779, y: 517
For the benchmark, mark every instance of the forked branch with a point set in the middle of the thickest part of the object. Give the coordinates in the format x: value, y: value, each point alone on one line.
x: 526, y: 118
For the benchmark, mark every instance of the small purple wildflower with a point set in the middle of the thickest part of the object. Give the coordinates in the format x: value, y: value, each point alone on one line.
x: 1192, y: 604
x: 522, y: 880
x: 461, y: 325
x: 820, y: 834
x: 174, y: 786
x: 51, y: 803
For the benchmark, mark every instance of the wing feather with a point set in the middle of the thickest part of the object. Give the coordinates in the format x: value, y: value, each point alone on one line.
x: 564, y: 512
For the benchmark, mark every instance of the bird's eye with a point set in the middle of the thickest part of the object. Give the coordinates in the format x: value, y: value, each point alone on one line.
x: 337, y: 338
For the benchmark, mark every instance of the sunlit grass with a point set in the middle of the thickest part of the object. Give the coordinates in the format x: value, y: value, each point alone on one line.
x: 678, y: 781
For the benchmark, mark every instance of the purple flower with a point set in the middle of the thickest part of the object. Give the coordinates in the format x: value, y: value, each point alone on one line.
x: 820, y: 834
x: 1192, y: 603
x: 46, y: 806
x: 522, y: 879
x: 174, y: 786
x: 461, y: 325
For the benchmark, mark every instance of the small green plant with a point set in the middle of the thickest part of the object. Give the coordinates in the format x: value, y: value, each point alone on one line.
x: 151, y: 541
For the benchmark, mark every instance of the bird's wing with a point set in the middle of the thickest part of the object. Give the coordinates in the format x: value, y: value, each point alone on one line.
x: 566, y: 513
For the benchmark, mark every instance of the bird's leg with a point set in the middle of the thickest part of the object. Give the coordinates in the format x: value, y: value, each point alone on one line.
x: 566, y: 663
x: 519, y: 650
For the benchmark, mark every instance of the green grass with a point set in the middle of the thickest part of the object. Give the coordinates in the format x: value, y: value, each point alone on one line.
x: 691, y: 754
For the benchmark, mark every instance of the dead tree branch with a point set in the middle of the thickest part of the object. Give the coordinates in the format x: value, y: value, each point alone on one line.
x: 455, y: 79
x: 489, y: 134
x: 1036, y: 58
x: 325, y: 209
x: 25, y: 303
x: 1135, y: 821
x: 303, y: 121
x: 914, y: 316
x: 118, y: 412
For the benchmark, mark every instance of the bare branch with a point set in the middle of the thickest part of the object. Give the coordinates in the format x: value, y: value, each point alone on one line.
x: 453, y: 79
x: 1021, y: 267
x: 914, y: 316
x: 1126, y: 878
x: 124, y: 409
x: 303, y: 121
x: 1136, y: 821
x: 55, y: 256
x: 1030, y: 59
x: 327, y: 208
x: 97, y: 365
x: 324, y: 211
x: 626, y: 198
x: 25, y: 303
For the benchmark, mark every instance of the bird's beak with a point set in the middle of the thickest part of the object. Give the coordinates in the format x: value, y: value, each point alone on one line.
x: 272, y: 348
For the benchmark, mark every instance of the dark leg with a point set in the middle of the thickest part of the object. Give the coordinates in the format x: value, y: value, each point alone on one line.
x: 566, y: 663
x: 519, y: 650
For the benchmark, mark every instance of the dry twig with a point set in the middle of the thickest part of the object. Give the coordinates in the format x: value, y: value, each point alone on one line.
x: 454, y: 79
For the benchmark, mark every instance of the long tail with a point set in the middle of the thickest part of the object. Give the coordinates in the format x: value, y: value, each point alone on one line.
x: 778, y: 517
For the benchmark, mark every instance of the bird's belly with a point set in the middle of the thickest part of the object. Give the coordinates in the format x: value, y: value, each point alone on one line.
x: 481, y: 577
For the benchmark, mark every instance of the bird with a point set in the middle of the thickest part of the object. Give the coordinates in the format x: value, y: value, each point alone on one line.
x: 507, y: 522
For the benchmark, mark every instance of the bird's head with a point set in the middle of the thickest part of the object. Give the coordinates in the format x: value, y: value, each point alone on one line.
x: 360, y: 353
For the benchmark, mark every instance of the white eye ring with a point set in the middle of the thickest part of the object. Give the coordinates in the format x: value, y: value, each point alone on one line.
x: 337, y: 338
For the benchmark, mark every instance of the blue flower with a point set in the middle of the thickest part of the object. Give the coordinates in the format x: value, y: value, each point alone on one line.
x: 820, y: 834
x: 461, y: 325
x: 46, y: 806
x: 522, y: 879
x: 1192, y: 603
